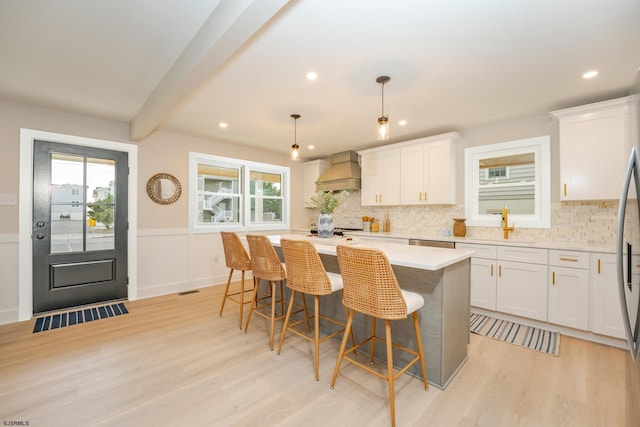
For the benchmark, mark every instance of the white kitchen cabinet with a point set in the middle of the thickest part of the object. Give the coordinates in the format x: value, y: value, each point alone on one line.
x: 594, y: 149
x: 521, y: 287
x: 605, y: 316
x: 380, y: 177
x: 312, y: 171
x: 428, y: 171
x: 483, y: 275
x: 569, y: 288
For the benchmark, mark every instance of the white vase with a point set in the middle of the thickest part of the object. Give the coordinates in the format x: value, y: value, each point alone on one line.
x: 325, y: 225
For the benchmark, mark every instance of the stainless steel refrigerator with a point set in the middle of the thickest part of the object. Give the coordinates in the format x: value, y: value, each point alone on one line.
x: 628, y: 254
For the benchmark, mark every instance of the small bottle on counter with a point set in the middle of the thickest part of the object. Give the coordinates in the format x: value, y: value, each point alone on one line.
x: 375, y: 227
x: 386, y: 223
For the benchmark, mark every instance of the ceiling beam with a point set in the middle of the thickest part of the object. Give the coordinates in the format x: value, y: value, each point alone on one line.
x: 231, y: 24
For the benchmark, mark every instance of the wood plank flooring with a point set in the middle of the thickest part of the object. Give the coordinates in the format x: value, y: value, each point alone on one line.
x: 173, y: 361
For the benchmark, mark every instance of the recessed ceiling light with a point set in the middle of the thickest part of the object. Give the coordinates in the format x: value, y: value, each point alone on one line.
x: 590, y: 74
x: 402, y: 122
x: 311, y: 147
x: 311, y: 75
x: 223, y: 125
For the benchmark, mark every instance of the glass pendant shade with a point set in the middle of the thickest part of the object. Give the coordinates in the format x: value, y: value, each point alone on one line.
x: 383, y: 120
x: 383, y: 128
x: 295, y: 148
x: 295, y: 152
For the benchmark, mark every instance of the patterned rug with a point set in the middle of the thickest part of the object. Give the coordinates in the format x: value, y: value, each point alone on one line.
x: 525, y: 336
x: 60, y: 320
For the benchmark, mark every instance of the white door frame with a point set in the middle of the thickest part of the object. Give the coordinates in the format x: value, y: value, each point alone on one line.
x: 25, y: 211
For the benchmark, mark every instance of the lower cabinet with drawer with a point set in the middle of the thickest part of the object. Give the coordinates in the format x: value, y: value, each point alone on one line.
x: 509, y: 279
x: 483, y: 273
x: 569, y: 288
x: 522, y: 286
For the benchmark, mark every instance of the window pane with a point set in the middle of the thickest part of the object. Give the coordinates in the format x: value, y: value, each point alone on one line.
x: 67, y: 203
x: 265, y: 184
x: 266, y: 210
x: 218, y: 194
x: 218, y: 208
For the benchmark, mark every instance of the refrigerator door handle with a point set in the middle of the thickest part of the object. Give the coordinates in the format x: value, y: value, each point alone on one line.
x: 631, y: 331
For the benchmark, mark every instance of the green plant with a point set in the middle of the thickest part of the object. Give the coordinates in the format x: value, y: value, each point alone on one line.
x: 327, y: 201
x: 102, y: 211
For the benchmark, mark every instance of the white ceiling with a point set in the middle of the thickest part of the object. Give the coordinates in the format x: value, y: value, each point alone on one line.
x: 186, y: 65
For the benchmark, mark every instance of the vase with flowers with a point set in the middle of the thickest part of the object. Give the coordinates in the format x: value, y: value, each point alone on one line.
x: 326, y: 202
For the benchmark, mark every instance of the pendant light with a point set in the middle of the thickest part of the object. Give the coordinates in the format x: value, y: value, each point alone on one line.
x: 295, y: 148
x: 383, y: 121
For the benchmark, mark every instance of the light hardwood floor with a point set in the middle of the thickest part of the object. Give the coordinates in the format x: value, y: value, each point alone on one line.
x: 172, y: 361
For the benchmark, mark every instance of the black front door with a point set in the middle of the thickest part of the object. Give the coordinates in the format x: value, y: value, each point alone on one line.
x: 79, y: 225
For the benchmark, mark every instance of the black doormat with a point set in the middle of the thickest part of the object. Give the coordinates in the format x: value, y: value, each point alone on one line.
x: 74, y: 317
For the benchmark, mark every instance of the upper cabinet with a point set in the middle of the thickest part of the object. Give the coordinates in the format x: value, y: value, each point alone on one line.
x: 594, y: 149
x: 312, y: 171
x: 428, y: 171
x: 422, y: 171
x: 380, y: 176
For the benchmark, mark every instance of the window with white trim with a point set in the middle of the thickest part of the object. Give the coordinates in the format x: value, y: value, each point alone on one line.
x: 235, y: 194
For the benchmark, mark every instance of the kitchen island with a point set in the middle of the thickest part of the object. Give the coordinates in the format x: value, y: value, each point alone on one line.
x: 441, y: 276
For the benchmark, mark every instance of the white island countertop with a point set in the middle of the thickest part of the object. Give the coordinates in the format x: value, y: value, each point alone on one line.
x: 422, y: 257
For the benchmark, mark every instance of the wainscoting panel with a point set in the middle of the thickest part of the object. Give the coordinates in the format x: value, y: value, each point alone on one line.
x: 8, y: 278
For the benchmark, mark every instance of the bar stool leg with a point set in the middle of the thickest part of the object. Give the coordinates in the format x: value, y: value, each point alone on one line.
x: 342, y: 346
x: 241, y: 299
x: 254, y: 302
x: 286, y: 320
x: 316, y: 333
x: 373, y: 339
x: 273, y: 312
x: 226, y: 292
x: 392, y: 401
x: 416, y: 327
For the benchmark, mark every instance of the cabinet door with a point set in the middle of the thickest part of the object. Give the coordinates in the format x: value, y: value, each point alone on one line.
x: 389, y: 176
x: 591, y: 141
x: 380, y: 171
x: 569, y: 297
x: 412, y: 190
x: 370, y: 171
x: 483, y: 283
x: 439, y: 173
x: 522, y: 289
x: 605, y: 314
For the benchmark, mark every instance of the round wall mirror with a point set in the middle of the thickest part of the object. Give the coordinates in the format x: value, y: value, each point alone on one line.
x: 164, y: 188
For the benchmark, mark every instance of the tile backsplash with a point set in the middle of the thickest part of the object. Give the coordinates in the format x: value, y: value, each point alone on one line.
x: 589, y: 222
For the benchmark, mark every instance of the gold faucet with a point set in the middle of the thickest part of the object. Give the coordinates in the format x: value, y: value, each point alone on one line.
x: 505, y: 223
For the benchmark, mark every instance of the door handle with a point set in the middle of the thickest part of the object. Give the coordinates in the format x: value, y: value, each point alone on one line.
x: 39, y: 236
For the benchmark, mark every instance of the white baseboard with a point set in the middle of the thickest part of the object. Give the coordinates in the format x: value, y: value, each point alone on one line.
x: 8, y: 316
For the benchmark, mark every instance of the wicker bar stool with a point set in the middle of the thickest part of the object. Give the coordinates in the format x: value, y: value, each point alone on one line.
x: 266, y: 266
x: 236, y: 258
x: 371, y: 288
x: 306, y: 275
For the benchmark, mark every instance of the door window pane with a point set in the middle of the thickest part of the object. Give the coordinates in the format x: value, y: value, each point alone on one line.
x: 101, y: 206
x: 82, y: 203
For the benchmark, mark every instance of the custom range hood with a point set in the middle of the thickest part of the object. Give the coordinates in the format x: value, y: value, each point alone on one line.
x: 343, y: 174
